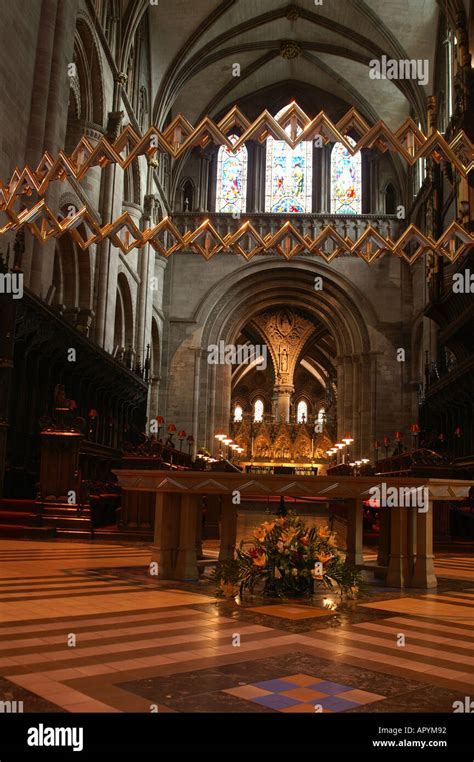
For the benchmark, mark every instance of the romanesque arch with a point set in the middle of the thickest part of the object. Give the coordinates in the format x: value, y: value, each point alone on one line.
x: 345, y: 312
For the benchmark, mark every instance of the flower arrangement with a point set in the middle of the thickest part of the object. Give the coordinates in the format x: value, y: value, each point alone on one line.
x: 291, y: 559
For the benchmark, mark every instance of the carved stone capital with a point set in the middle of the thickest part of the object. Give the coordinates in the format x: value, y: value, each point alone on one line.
x: 121, y: 78
x: 114, y: 123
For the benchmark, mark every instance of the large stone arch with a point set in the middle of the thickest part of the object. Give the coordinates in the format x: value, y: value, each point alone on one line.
x: 229, y: 305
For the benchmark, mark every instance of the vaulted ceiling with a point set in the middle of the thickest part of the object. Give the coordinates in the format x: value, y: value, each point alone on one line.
x: 194, y: 48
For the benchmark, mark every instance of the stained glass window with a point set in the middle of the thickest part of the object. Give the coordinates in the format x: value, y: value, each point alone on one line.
x: 346, y: 180
x: 231, y: 190
x: 238, y: 413
x: 289, y: 175
x: 258, y: 411
x: 302, y: 412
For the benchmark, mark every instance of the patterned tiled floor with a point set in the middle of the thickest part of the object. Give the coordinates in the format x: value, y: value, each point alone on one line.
x: 80, y: 630
x: 455, y: 565
x: 304, y: 693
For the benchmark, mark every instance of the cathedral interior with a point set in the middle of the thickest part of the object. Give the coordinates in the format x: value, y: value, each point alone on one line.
x: 236, y: 290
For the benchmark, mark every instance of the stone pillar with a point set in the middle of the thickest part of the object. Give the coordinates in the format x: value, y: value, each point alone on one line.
x: 283, y: 393
x: 107, y: 266
x: 424, y: 573
x: 375, y: 200
x: 340, y: 396
x: 397, y: 574
x: 189, y: 515
x: 228, y: 528
x: 366, y: 415
x: 144, y: 303
x: 355, y: 427
x: 354, y: 555
x: 204, y: 171
x: 345, y: 424
x: 110, y: 208
x: 325, y: 191
x: 164, y: 550
x: 258, y: 178
x: 47, y: 122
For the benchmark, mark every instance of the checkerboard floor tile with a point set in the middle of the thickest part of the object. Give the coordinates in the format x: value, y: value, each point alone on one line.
x: 304, y: 693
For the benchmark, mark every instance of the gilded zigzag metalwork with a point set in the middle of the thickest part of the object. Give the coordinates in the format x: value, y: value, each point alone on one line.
x: 166, y: 239
x: 180, y: 136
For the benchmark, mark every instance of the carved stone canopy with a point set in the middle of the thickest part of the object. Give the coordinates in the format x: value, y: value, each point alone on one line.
x: 285, y: 333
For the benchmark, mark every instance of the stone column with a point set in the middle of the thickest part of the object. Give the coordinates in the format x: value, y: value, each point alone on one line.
x: 47, y: 123
x: 424, y: 573
x: 145, y: 264
x: 255, y: 173
x: 283, y: 393
x: 397, y: 574
x: 190, y: 510
x: 164, y: 550
x: 375, y: 204
x: 204, y: 171
x: 345, y: 424
x: 110, y: 208
x: 366, y: 413
x: 355, y: 426
x: 107, y: 266
x: 340, y: 394
x: 325, y: 192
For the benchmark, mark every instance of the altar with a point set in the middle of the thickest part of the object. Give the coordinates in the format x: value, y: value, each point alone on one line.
x: 409, y: 558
